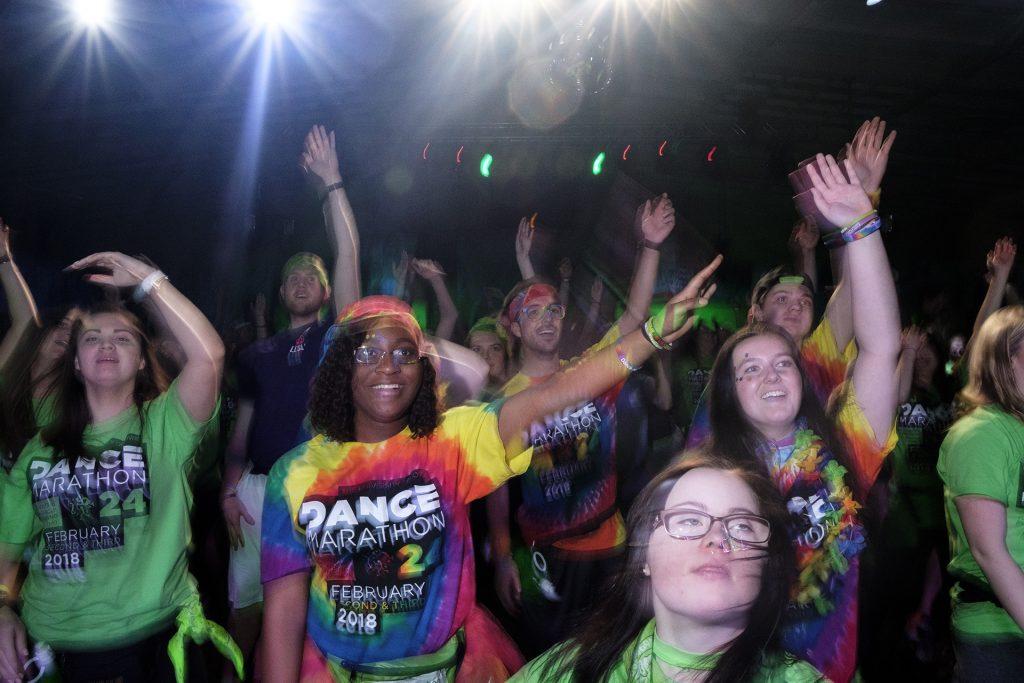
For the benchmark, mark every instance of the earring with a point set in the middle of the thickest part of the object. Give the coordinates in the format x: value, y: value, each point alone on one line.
x: 646, y: 570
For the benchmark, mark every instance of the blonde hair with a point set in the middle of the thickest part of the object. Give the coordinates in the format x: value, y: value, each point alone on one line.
x: 990, y: 365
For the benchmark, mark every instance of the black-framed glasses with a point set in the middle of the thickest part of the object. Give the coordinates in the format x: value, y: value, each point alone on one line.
x: 371, y: 355
x: 556, y: 311
x: 691, y: 525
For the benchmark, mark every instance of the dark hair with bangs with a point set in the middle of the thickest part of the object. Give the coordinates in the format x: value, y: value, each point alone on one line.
x: 625, y: 604
x: 331, y: 407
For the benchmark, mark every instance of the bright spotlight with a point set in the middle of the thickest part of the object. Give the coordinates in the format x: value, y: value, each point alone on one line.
x: 93, y: 13
x: 271, y: 14
x: 873, y: 2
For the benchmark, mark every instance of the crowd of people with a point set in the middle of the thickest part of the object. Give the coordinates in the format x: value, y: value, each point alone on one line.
x: 680, y: 501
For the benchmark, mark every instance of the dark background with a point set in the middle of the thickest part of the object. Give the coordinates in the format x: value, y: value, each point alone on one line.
x: 148, y: 138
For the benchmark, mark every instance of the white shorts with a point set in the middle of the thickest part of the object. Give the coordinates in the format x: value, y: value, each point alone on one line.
x: 244, y: 587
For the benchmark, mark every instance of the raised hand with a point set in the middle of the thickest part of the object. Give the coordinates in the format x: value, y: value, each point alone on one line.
x: 426, y: 268
x: 657, y: 218
x: 839, y: 200
x: 596, y: 289
x: 675, y: 320
x: 401, y: 273
x: 259, y: 308
x: 125, y: 271
x: 319, y: 156
x: 913, y: 338
x: 1000, y: 260
x: 869, y: 153
x: 565, y: 268
x: 804, y: 236
x: 5, y: 240
x: 524, y: 238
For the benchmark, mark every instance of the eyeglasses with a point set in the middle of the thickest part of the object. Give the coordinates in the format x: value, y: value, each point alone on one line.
x: 371, y: 355
x: 556, y: 311
x: 690, y: 525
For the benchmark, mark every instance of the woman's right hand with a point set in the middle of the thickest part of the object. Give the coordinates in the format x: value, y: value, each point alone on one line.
x: 125, y: 271
x: 13, y: 646
x: 234, y: 512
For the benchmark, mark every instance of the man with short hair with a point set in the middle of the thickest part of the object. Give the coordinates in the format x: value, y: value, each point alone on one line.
x: 568, y: 517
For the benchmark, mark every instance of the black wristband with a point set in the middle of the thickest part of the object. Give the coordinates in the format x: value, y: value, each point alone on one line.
x: 331, y: 188
x: 647, y: 244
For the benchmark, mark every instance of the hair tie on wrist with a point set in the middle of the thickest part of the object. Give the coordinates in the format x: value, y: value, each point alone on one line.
x: 151, y: 282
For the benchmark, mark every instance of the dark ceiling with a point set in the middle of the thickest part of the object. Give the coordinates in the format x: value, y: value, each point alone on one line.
x: 148, y: 141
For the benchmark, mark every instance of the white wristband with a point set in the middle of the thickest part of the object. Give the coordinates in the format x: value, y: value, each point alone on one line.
x: 147, y: 285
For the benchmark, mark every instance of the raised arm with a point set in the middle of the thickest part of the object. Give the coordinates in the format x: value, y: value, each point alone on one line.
x: 320, y: 159
x: 258, y: 307
x: 984, y: 521
x: 19, y: 298
x: 999, y: 263
x: 524, y: 240
x: 657, y: 219
x: 876, y: 325
x: 463, y: 371
x: 868, y: 153
x: 802, y: 242
x: 910, y: 343
x: 565, y: 277
x: 599, y: 371
x: 432, y: 272
x: 199, y: 381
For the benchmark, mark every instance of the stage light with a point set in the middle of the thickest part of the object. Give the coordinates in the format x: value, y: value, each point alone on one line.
x: 271, y: 14
x: 661, y: 148
x: 93, y: 13
x: 711, y: 154
x: 485, y: 165
x: 625, y: 152
x: 871, y: 3
x: 598, y: 162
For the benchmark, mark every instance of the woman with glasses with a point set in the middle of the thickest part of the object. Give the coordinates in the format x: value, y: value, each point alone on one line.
x: 705, y: 582
x: 367, y: 558
x: 764, y: 411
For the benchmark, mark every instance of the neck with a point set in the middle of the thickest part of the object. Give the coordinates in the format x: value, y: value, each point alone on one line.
x: 107, y: 402
x: 539, y: 363
x: 371, y: 431
x: 295, y: 321
x: 693, y: 636
x: 773, y: 433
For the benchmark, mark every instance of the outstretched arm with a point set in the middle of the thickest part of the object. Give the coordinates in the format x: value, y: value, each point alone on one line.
x: 999, y: 263
x: 199, y: 381
x: 565, y: 275
x: 657, y: 219
x: 911, y: 342
x: 876, y: 325
x: 432, y: 272
x: 320, y: 159
x: 524, y: 240
x: 599, y: 371
x: 802, y: 242
x: 19, y: 298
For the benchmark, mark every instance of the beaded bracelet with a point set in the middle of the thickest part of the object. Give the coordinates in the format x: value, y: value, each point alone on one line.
x: 861, y: 228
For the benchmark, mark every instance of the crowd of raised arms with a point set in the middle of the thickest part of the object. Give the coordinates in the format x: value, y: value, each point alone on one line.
x: 797, y: 498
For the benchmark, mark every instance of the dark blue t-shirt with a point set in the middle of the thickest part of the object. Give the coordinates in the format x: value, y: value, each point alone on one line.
x: 276, y: 374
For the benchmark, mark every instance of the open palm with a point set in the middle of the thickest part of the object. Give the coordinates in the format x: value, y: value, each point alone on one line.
x: 839, y: 200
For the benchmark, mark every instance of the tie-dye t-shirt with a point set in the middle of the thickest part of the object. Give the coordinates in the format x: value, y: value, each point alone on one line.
x: 569, y: 491
x: 821, y: 622
x: 384, y: 528
x: 823, y: 363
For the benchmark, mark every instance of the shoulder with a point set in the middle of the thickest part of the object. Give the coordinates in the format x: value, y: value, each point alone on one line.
x: 983, y: 429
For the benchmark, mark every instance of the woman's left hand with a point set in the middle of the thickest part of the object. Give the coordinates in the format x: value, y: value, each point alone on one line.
x: 125, y: 271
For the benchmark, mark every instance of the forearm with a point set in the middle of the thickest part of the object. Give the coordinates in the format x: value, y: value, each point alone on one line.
x: 449, y: 313
x: 641, y: 290
x: 525, y: 266
x: 284, y: 627
x: 992, y: 301
x: 198, y: 339
x: 563, y: 291
x: 21, y: 305
x: 497, y: 505
x: 463, y: 370
x: 840, y: 305
x: 235, y: 453
x: 344, y: 234
x: 876, y: 323
x: 1005, y: 577
x: 804, y: 261
x: 662, y: 383
x: 905, y: 373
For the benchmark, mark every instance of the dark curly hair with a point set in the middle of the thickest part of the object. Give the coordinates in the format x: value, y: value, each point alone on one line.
x: 332, y: 409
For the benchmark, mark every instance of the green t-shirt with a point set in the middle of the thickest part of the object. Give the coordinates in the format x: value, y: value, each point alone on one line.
x: 108, y: 563
x: 638, y: 664
x: 983, y: 455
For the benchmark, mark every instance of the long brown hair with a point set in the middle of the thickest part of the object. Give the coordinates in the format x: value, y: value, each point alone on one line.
x: 71, y: 414
x: 732, y: 434
x: 990, y: 365
x: 626, y: 605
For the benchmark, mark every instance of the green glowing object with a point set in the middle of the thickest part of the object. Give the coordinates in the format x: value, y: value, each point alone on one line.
x: 485, y: 165
x: 598, y: 161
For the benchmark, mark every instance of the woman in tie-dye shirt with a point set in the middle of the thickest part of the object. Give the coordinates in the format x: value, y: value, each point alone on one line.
x: 367, y: 558
x: 763, y: 409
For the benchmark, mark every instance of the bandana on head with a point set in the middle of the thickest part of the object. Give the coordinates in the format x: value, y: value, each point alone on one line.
x: 305, y: 259
x: 529, y: 295
x: 368, y: 313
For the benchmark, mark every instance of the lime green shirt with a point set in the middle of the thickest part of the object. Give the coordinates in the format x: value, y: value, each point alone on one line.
x: 108, y: 542
x: 983, y: 455
x: 639, y: 664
